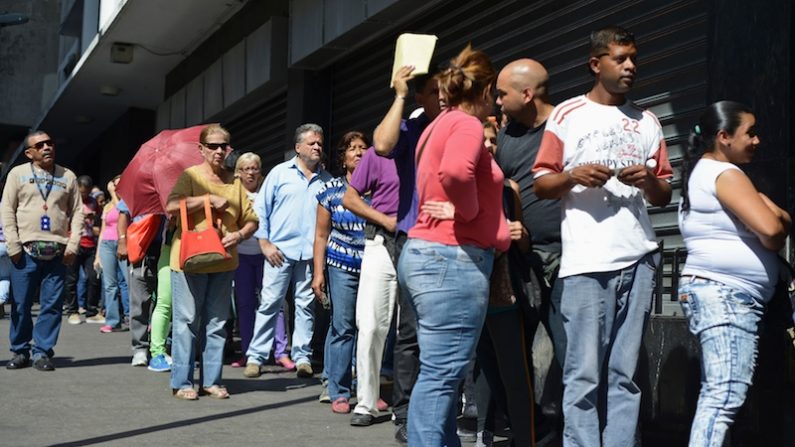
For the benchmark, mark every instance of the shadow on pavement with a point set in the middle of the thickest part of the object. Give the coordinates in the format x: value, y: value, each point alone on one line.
x: 240, y: 386
x: 184, y: 423
x: 67, y: 362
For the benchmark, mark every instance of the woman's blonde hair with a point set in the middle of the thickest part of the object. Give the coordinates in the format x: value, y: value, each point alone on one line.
x: 468, y: 77
x: 212, y: 129
x: 248, y: 157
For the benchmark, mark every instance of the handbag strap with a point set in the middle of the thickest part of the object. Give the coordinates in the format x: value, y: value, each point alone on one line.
x: 183, y: 212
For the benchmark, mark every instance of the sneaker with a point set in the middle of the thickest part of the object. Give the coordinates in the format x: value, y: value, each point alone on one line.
x: 341, y: 406
x: 74, y: 319
x: 485, y: 439
x: 169, y: 360
x: 402, y: 432
x: 304, y: 371
x: 106, y: 329
x: 286, y: 363
x: 324, y: 397
x: 239, y: 363
x: 96, y: 319
x: 381, y: 405
x: 253, y: 370
x: 19, y: 361
x: 158, y: 363
x: 362, y: 420
x: 139, y: 359
x: 43, y: 363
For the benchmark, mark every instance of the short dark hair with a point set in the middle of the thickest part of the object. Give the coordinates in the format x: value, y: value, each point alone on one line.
x: 346, y: 140
x: 85, y: 181
x: 602, y: 38
x: 31, y: 134
x: 419, y: 82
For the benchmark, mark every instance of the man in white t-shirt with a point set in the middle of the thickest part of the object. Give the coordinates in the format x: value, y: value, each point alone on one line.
x: 602, y: 156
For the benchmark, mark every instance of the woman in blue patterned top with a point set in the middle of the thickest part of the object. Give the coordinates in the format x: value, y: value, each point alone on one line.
x: 339, y: 243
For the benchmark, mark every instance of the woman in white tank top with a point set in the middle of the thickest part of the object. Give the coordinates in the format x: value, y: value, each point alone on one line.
x: 732, y: 233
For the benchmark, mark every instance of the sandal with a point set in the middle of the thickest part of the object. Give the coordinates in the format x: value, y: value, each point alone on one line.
x: 185, y: 394
x: 216, y: 392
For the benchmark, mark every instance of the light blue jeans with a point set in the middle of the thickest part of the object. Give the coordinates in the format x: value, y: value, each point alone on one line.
x: 448, y: 286
x: 604, y: 316
x: 5, y: 273
x: 114, y: 282
x: 725, y: 321
x: 275, y: 282
x: 341, y: 338
x: 200, y: 304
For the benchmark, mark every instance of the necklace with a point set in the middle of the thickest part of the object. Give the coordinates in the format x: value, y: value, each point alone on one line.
x: 48, y: 180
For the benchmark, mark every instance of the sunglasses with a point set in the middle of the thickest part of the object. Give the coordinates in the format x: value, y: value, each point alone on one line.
x: 215, y: 146
x: 40, y: 145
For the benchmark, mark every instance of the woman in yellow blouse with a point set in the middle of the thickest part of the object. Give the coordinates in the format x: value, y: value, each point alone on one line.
x: 202, y: 298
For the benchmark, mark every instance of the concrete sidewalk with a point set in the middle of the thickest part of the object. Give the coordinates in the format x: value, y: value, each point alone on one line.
x: 96, y: 398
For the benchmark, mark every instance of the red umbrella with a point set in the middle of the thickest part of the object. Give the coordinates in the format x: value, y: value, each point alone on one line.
x: 150, y: 176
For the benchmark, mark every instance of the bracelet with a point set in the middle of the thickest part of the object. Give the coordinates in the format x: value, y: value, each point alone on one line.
x: 400, y: 97
x: 240, y: 234
x: 122, y: 236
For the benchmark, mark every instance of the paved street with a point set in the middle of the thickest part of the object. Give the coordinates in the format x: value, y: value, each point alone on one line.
x: 96, y: 398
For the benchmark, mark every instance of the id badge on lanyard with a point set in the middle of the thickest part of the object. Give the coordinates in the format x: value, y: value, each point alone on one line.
x: 45, y: 223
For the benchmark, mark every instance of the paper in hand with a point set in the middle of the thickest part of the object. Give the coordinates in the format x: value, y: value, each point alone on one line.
x: 413, y: 49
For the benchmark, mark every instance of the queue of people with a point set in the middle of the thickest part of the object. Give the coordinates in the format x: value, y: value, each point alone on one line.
x: 463, y: 230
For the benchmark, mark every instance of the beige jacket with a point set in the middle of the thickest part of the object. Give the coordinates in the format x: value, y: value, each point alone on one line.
x: 23, y: 208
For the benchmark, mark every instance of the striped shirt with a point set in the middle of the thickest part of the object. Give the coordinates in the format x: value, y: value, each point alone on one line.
x: 346, y: 240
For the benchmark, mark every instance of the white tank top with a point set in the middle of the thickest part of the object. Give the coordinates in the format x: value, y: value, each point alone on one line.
x: 719, y: 246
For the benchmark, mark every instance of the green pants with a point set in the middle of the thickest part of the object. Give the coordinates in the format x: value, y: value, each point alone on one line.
x: 161, y: 316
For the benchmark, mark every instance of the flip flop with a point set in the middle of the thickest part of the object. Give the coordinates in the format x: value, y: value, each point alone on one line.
x: 185, y: 394
x: 216, y: 392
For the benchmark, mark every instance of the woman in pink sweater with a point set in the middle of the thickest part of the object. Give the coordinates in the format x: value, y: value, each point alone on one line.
x: 447, y: 260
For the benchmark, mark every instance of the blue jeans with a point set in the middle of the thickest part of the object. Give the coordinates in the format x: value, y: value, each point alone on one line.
x: 200, y: 304
x: 448, y: 286
x: 275, y: 282
x: 725, y: 321
x: 604, y: 315
x: 114, y: 284
x: 5, y: 273
x: 341, y: 338
x: 26, y: 276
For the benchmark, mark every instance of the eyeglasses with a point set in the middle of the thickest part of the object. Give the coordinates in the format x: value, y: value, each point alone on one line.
x: 215, y: 146
x: 40, y: 145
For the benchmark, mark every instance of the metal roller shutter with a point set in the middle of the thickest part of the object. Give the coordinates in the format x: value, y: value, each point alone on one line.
x: 671, y: 35
x: 262, y: 130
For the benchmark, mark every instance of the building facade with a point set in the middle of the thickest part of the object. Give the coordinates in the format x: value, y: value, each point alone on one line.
x: 127, y: 69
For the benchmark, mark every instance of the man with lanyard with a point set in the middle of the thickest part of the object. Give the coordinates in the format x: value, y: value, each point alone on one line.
x: 42, y: 218
x: 397, y: 139
x: 141, y: 284
x: 287, y: 210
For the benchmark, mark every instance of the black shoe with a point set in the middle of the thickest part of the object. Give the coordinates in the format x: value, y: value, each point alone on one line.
x: 19, y: 361
x: 362, y: 420
x: 44, y: 363
x: 402, y: 433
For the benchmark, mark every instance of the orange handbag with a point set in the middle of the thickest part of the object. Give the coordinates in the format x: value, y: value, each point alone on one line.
x: 140, y: 235
x: 200, y: 249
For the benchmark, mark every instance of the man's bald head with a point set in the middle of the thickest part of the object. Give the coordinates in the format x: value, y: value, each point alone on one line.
x: 527, y: 74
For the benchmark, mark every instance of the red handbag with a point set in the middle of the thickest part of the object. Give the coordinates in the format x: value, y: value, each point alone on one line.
x: 200, y: 249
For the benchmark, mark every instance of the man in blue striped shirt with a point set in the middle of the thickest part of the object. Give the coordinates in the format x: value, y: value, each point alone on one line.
x: 287, y: 210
